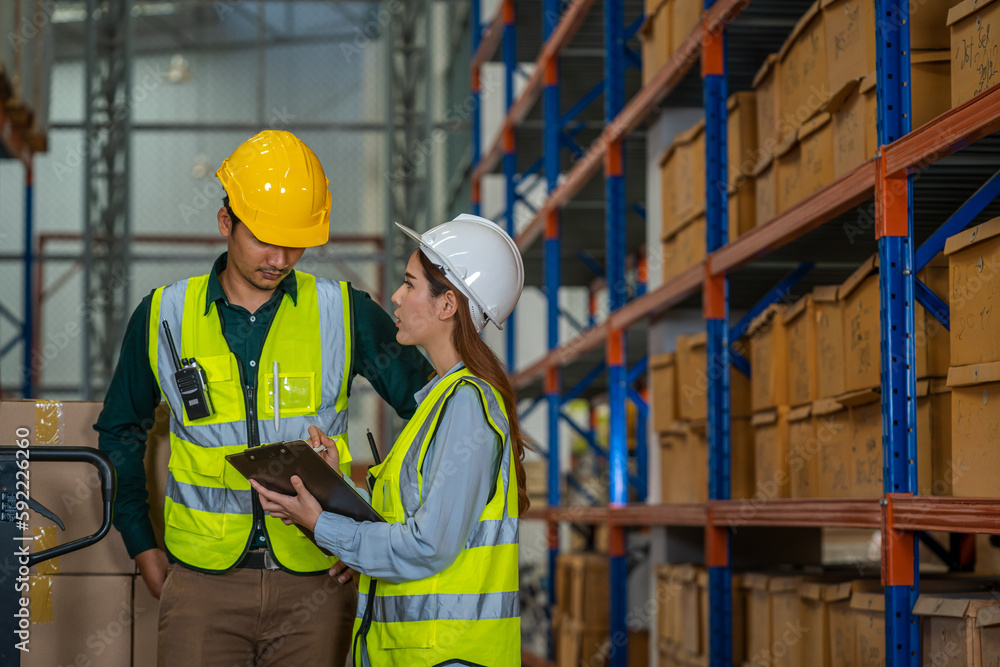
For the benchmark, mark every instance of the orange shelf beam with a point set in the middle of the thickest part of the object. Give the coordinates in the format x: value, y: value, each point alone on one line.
x: 680, y: 514
x: 956, y: 515
x: 844, y: 513
x: 946, y: 134
x: 568, y: 26
x: 842, y: 195
x: 490, y: 42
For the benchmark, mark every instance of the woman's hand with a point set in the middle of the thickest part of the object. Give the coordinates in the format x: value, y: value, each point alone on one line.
x: 331, y: 455
x: 301, y: 508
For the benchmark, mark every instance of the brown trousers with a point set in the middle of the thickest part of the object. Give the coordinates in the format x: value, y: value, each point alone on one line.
x: 254, y: 618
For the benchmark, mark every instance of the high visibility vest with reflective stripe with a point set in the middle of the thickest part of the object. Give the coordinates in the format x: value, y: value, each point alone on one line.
x: 469, y: 611
x: 209, y: 509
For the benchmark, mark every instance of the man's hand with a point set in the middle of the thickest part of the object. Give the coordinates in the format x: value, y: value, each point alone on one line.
x: 153, y: 565
x: 342, y: 573
x: 331, y: 455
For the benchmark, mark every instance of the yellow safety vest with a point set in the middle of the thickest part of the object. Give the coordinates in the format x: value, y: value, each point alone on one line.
x: 469, y: 611
x: 209, y: 510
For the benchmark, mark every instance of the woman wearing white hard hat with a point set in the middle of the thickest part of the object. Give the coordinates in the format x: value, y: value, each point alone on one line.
x: 440, y: 577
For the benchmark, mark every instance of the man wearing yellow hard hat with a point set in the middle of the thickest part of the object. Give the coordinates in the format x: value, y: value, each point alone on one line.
x: 254, y: 352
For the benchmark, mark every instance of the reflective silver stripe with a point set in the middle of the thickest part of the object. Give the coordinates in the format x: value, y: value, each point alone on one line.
x: 297, y: 428
x: 332, y: 336
x: 209, y: 499
x: 362, y: 605
x: 499, y: 418
x: 409, y: 485
x: 445, y: 607
x: 171, y: 311
x: 491, y: 533
x: 227, y: 434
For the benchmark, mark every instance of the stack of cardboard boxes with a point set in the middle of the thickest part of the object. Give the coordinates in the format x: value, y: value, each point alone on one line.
x: 680, y: 411
x: 974, y: 376
x: 89, y: 606
x: 682, y: 616
x: 580, y: 620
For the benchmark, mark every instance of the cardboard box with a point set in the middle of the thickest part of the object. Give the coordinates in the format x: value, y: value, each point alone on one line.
x: 988, y: 627
x: 768, y: 359
x: 803, y: 453
x: 828, y: 314
x: 974, y: 288
x: 800, y: 324
x: 694, y: 606
x: 684, y: 248
x: 692, y: 381
x: 587, y: 579
x: 851, y: 135
x: 868, y: 610
x: 974, y: 25
x: 766, y: 99
x: 766, y: 192
x: 686, y: 19
x: 741, y: 143
x: 92, y: 623
x: 145, y: 626
x: 771, y: 448
x: 790, y: 173
x: 949, y: 634
x: 975, y: 430
x: 806, y: 165
x: 862, y: 328
x: 663, y: 379
x: 816, y: 146
x: 850, y: 40
x: 689, y: 175
x: 759, y: 619
x: 930, y: 75
x: 742, y: 208
x: 673, y: 450
x: 803, y: 80
x: 669, y: 611
x: 929, y: 24
x: 668, y: 192
x: 655, y: 35
x: 536, y: 481
x: 842, y: 631
x: 578, y: 645
x: 832, y: 427
x: 741, y: 462
x: 70, y: 490
x: 865, y: 466
x: 787, y: 629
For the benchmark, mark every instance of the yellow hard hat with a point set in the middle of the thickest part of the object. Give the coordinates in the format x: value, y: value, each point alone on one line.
x: 277, y: 187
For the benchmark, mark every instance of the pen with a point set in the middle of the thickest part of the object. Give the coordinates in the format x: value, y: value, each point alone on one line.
x: 371, y: 443
x: 277, y: 406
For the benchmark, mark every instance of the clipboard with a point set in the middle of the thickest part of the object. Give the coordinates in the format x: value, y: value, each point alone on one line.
x: 273, y: 466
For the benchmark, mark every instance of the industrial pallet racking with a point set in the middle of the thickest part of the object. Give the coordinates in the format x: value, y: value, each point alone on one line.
x: 886, y: 180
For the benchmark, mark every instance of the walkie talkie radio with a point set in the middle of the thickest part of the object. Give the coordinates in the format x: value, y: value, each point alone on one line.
x: 190, y: 379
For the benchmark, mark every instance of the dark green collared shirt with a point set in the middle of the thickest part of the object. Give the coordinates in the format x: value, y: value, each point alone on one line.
x: 130, y: 404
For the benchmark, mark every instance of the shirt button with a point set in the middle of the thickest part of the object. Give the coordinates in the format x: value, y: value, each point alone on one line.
x: 253, y: 319
x: 252, y: 364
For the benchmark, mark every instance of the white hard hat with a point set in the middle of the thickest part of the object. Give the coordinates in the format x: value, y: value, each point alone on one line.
x: 481, y: 260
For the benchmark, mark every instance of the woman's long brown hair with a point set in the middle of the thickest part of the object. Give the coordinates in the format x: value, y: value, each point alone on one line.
x: 482, y: 362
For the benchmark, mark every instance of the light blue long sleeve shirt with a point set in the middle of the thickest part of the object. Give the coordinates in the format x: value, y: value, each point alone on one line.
x: 459, y: 481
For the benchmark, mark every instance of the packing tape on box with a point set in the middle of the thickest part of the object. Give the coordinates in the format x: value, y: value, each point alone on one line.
x: 48, y: 422
x: 46, y: 537
x: 41, y: 598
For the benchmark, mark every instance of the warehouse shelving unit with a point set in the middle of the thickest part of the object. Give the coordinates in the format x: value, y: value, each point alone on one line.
x: 14, y: 146
x: 946, y: 145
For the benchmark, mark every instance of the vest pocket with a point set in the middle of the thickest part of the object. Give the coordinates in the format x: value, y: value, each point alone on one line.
x: 296, y: 394
x: 406, y: 635
x: 224, y: 389
x: 198, y: 497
